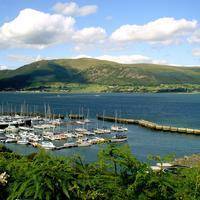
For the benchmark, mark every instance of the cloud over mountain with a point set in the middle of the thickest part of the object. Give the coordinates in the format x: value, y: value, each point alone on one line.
x: 3, y: 67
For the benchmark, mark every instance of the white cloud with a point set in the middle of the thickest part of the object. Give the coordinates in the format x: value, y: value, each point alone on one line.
x: 3, y: 67
x: 195, y: 38
x: 89, y: 37
x: 73, y: 9
x: 163, y: 30
x: 196, y: 52
x: 130, y: 59
x: 35, y: 29
x: 27, y: 58
x: 133, y: 59
x: 125, y: 59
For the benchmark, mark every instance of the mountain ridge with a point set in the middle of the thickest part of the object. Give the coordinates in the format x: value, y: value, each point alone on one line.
x: 97, y: 72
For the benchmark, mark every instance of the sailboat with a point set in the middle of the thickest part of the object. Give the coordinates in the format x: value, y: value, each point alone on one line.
x: 102, y: 130
x: 87, y: 118
x: 116, y: 128
x: 81, y: 122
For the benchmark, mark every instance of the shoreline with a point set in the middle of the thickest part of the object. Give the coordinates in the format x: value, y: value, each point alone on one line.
x: 188, y: 160
x: 110, y: 92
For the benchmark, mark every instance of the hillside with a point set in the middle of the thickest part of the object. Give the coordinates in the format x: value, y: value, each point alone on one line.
x: 87, y: 71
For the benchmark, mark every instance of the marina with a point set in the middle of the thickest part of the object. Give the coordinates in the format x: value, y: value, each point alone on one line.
x: 163, y: 109
x: 41, y: 132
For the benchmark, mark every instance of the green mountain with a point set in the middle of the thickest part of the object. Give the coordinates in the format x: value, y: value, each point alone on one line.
x: 87, y: 71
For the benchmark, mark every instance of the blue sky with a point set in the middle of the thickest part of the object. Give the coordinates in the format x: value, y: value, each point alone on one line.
x: 128, y: 31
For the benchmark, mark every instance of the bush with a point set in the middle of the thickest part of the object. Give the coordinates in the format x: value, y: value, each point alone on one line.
x: 117, y: 174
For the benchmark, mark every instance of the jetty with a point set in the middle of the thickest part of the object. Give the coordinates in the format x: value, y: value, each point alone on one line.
x: 76, y: 116
x: 150, y: 125
x: 117, y: 120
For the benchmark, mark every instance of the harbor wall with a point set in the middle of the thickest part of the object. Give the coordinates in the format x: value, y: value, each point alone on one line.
x: 150, y: 125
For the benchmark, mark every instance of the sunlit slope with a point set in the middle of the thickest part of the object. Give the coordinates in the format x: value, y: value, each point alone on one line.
x: 93, y: 71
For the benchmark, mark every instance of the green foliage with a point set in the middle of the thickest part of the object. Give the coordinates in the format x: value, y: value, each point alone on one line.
x: 190, y: 184
x: 116, y: 175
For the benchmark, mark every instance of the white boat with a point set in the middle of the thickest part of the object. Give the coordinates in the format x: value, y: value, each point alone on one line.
x: 87, y: 121
x: 44, y: 126
x: 80, y: 122
x: 70, y: 144
x: 34, y: 138
x: 69, y: 135
x: 87, y: 118
x: 56, y: 122
x: 102, y: 131
x: 84, y: 144
x: 96, y: 140
x: 47, y: 133
x: 78, y: 135
x: 81, y: 130
x: 106, y: 131
x: 118, y: 128
x: 11, y: 129
x: 10, y: 140
x: 47, y: 145
x: 88, y: 133
x: 23, y: 128
x: 2, y: 130
x: 119, y: 138
x: 24, y: 134
x: 22, y: 141
x: 11, y: 136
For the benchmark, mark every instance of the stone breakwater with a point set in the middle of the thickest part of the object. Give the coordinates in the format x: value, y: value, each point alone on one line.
x: 151, y: 125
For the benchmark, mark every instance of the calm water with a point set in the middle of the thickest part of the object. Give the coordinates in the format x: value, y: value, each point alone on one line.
x: 182, y: 110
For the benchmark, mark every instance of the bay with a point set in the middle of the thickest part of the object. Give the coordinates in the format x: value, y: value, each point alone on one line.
x: 181, y: 110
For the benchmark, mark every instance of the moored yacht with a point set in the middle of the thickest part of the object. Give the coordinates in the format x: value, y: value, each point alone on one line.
x: 119, y: 138
x: 80, y: 122
x: 96, y: 140
x: 118, y: 128
x: 47, y: 145
x: 83, y: 142
x: 2, y: 131
x: 11, y: 136
x: 102, y: 131
x: 70, y: 144
x: 22, y: 141
x: 81, y: 130
x: 11, y: 129
x: 11, y: 140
